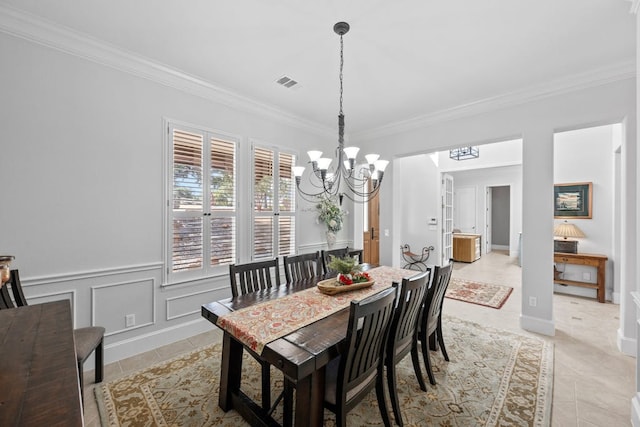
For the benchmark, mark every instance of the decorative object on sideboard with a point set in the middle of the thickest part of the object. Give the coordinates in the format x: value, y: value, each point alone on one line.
x: 343, y: 179
x: 566, y: 230
x: 5, y: 272
x: 464, y: 153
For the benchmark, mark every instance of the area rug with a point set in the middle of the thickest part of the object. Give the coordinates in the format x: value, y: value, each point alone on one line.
x: 494, y: 378
x: 487, y: 294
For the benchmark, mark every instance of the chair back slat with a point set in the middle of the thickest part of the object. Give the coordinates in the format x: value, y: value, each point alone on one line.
x: 435, y: 297
x: 356, y: 253
x: 254, y: 276
x: 367, y: 332
x: 15, y: 286
x: 411, y: 299
x: 326, y: 258
x: 302, y: 268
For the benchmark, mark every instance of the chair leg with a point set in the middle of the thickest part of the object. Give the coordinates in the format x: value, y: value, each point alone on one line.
x: 393, y: 394
x: 441, y: 340
x: 81, y: 380
x: 266, y: 386
x: 416, y: 366
x: 427, y: 360
x: 99, y: 355
x: 382, y: 404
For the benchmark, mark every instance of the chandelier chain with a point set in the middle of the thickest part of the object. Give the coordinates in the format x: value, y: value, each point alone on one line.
x: 341, y: 65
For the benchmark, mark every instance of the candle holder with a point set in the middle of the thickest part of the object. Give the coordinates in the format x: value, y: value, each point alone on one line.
x: 5, y: 273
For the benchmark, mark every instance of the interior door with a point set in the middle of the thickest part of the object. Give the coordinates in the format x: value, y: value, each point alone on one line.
x: 487, y: 220
x: 447, y: 219
x: 371, y: 234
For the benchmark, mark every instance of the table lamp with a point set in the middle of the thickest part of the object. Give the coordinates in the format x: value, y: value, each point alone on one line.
x: 565, y: 230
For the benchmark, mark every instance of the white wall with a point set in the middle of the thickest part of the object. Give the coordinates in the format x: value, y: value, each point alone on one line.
x: 82, y: 172
x: 587, y: 155
x: 418, y: 201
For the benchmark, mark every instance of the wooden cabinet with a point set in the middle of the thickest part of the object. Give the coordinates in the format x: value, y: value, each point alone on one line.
x: 466, y: 247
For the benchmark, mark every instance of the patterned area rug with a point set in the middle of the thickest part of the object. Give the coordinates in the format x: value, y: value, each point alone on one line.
x: 487, y: 294
x: 494, y: 378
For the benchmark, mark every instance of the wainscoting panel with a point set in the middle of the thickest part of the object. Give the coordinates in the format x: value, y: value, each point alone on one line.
x: 112, y: 311
x: 188, y: 304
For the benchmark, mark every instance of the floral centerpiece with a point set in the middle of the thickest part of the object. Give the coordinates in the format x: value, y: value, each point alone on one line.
x: 349, y: 271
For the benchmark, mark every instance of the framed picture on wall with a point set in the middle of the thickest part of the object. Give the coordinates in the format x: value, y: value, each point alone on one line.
x: 573, y: 200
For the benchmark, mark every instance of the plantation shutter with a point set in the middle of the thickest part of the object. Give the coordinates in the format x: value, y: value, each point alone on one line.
x: 223, y: 202
x: 273, y: 203
x: 188, y: 233
x: 286, y: 205
x: 203, y: 169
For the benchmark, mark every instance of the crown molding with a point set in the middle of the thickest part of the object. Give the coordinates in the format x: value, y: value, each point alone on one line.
x: 621, y: 71
x: 635, y: 6
x: 35, y: 29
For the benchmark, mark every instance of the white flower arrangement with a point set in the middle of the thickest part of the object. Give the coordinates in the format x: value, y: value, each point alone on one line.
x: 330, y: 213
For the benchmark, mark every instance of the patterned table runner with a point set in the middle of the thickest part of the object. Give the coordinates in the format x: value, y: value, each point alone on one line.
x: 258, y: 325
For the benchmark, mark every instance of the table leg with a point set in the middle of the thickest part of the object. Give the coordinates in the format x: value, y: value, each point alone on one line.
x: 601, y: 280
x: 230, y: 372
x: 310, y: 400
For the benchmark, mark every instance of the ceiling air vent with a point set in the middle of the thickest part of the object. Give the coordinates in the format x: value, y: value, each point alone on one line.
x: 287, y: 82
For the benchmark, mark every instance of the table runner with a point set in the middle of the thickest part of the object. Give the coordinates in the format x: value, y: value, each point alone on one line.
x: 258, y: 325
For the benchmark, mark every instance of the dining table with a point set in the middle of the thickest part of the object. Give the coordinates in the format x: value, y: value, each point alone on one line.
x: 297, y: 329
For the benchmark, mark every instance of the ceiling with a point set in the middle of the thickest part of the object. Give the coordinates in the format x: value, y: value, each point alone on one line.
x: 403, y: 59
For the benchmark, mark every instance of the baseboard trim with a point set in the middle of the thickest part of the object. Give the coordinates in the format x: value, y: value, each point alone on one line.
x: 147, y: 342
x: 626, y: 345
x: 635, y: 410
x: 537, y: 325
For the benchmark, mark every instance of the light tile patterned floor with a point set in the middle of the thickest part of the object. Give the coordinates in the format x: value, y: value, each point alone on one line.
x: 593, y: 381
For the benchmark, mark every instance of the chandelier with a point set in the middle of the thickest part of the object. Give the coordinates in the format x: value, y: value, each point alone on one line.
x: 341, y: 176
x: 464, y: 153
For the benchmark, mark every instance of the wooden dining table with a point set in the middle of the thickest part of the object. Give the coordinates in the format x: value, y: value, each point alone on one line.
x: 38, y: 367
x: 301, y: 354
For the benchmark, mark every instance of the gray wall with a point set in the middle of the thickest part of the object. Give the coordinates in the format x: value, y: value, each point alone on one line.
x: 500, y: 217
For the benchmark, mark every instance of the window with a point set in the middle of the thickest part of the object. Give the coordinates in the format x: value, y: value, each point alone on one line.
x: 202, y: 200
x: 273, y: 203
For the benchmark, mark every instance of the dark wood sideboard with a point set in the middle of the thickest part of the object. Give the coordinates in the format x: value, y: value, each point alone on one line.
x: 38, y: 372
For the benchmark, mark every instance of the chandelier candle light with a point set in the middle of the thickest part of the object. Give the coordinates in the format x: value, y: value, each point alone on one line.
x: 344, y: 179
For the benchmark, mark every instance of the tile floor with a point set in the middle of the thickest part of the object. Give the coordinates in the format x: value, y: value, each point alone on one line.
x: 593, y: 381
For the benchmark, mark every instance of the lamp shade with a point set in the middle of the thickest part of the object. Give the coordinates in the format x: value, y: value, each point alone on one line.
x: 566, y: 229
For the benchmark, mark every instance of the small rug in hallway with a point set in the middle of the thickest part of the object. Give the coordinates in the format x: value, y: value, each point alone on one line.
x: 494, y: 378
x: 487, y: 294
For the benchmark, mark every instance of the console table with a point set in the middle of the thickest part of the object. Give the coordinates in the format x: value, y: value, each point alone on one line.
x: 38, y: 370
x: 592, y: 260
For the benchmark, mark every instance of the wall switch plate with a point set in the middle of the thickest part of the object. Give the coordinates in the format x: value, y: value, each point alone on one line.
x: 386, y: 232
x: 129, y: 320
x: 533, y: 301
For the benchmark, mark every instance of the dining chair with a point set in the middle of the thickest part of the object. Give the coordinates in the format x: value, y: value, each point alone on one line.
x: 351, y: 376
x: 86, y: 339
x: 355, y: 253
x: 326, y: 258
x: 403, y: 338
x: 254, y: 276
x: 302, y: 268
x: 248, y: 278
x: 430, y: 324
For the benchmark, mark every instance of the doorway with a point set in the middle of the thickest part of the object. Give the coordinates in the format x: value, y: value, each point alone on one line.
x: 497, y: 218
